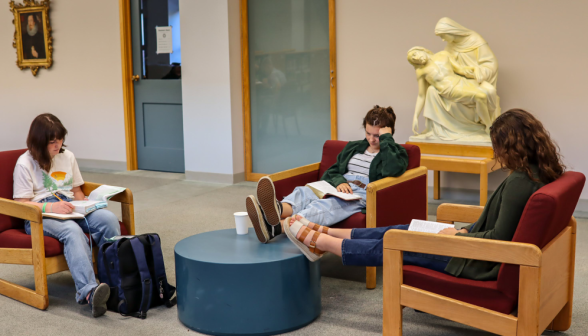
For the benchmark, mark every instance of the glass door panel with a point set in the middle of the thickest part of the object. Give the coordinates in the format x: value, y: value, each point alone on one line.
x: 289, y: 82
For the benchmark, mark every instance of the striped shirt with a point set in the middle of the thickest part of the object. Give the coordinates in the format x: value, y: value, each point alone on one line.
x: 360, y: 164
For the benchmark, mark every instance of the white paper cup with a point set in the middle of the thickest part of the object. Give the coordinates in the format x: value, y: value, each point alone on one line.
x: 241, y: 223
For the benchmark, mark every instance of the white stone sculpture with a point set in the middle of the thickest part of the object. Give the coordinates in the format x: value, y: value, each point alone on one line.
x: 457, y: 87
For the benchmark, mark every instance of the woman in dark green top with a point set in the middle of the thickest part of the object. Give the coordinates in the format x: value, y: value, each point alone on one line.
x: 521, y: 145
x: 361, y: 162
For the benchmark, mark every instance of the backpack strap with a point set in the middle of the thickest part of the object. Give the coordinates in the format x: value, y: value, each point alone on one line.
x: 146, y: 284
x: 166, y: 291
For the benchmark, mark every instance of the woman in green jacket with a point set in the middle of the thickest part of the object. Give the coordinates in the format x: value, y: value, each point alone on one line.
x: 521, y: 144
x: 373, y: 158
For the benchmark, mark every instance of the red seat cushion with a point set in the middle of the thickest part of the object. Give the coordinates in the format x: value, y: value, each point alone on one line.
x: 480, y: 293
x: 7, y: 162
x: 354, y: 221
x: 18, y: 238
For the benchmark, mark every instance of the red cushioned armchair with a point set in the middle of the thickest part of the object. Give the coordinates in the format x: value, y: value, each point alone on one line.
x: 44, y: 253
x: 537, y: 274
x: 390, y: 201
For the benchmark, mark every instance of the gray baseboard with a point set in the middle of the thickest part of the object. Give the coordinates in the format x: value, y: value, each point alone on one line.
x: 91, y: 164
x: 472, y: 197
x: 215, y: 177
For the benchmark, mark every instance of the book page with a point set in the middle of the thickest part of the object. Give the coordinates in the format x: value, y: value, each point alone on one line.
x: 323, y: 186
x: 427, y: 226
x: 104, y: 193
x: 344, y: 196
x: 73, y: 215
x: 326, y: 188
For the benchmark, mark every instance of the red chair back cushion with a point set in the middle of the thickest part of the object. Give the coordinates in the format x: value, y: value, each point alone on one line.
x: 332, y: 148
x: 7, y: 162
x: 546, y: 214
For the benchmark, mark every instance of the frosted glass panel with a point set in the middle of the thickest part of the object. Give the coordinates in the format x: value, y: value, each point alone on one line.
x: 289, y: 78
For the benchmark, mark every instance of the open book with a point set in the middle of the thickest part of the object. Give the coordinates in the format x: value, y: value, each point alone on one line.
x: 97, y: 199
x: 324, y: 188
x: 427, y: 226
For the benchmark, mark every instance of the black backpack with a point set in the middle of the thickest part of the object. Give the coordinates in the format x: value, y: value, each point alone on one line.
x: 133, y: 269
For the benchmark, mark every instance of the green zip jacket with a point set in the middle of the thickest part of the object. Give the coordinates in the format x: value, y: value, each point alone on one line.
x: 499, y: 221
x: 392, y: 160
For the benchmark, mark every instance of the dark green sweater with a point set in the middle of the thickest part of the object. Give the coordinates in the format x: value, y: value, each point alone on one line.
x: 392, y: 160
x: 499, y: 221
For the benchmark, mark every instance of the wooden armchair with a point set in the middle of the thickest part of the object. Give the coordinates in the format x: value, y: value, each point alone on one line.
x: 537, y: 272
x: 44, y: 253
x: 390, y: 201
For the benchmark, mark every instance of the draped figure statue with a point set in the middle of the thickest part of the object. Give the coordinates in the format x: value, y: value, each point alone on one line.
x: 458, y: 113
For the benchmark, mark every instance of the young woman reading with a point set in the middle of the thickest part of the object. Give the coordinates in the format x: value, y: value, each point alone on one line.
x: 47, y: 176
x: 373, y: 158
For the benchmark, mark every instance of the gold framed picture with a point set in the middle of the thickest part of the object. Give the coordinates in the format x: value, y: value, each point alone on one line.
x: 32, y: 35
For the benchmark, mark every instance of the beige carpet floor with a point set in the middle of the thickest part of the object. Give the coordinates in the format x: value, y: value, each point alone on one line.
x: 174, y: 208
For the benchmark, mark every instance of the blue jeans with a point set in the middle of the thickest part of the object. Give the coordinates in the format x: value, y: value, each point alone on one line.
x: 327, y: 211
x: 103, y: 224
x: 365, y: 248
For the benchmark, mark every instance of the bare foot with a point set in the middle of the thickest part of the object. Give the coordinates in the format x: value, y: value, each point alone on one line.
x: 311, y: 225
x: 308, y: 238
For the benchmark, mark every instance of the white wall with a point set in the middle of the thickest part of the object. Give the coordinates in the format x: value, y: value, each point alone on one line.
x: 540, y: 46
x: 83, y: 87
x: 211, y: 136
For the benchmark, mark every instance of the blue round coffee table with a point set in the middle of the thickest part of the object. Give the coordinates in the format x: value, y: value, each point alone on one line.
x: 229, y: 284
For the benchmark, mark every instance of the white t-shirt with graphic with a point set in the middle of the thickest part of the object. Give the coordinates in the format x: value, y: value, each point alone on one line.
x: 30, y: 181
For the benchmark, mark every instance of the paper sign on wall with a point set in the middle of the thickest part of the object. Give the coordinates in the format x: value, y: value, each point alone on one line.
x: 164, y: 40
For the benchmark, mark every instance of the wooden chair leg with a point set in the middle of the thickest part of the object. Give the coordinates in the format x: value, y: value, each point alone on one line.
x: 392, y: 313
x: 563, y: 320
x: 128, y: 217
x: 436, y: 184
x: 39, y: 265
x: 529, y: 301
x: 38, y: 298
x: 370, y: 277
x: 483, y: 184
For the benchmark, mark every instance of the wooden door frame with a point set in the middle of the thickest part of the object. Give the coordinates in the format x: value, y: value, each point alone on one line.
x: 126, y: 48
x: 249, y: 174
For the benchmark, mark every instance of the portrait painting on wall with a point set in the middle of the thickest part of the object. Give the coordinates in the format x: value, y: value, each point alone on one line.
x: 32, y: 36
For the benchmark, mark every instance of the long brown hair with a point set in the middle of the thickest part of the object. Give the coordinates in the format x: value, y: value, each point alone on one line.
x: 519, y: 140
x: 381, y: 117
x: 45, y: 128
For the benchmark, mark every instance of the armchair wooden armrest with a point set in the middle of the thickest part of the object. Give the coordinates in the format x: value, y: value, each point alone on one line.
x: 125, y: 199
x: 295, y: 171
x: 450, y: 213
x: 390, y: 181
x: 464, y: 247
x: 20, y: 210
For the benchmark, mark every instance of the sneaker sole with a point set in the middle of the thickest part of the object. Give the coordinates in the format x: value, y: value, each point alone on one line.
x: 256, y: 219
x: 266, y: 195
x: 99, y: 300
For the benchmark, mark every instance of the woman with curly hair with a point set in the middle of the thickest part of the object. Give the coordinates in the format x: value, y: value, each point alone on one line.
x: 521, y: 145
